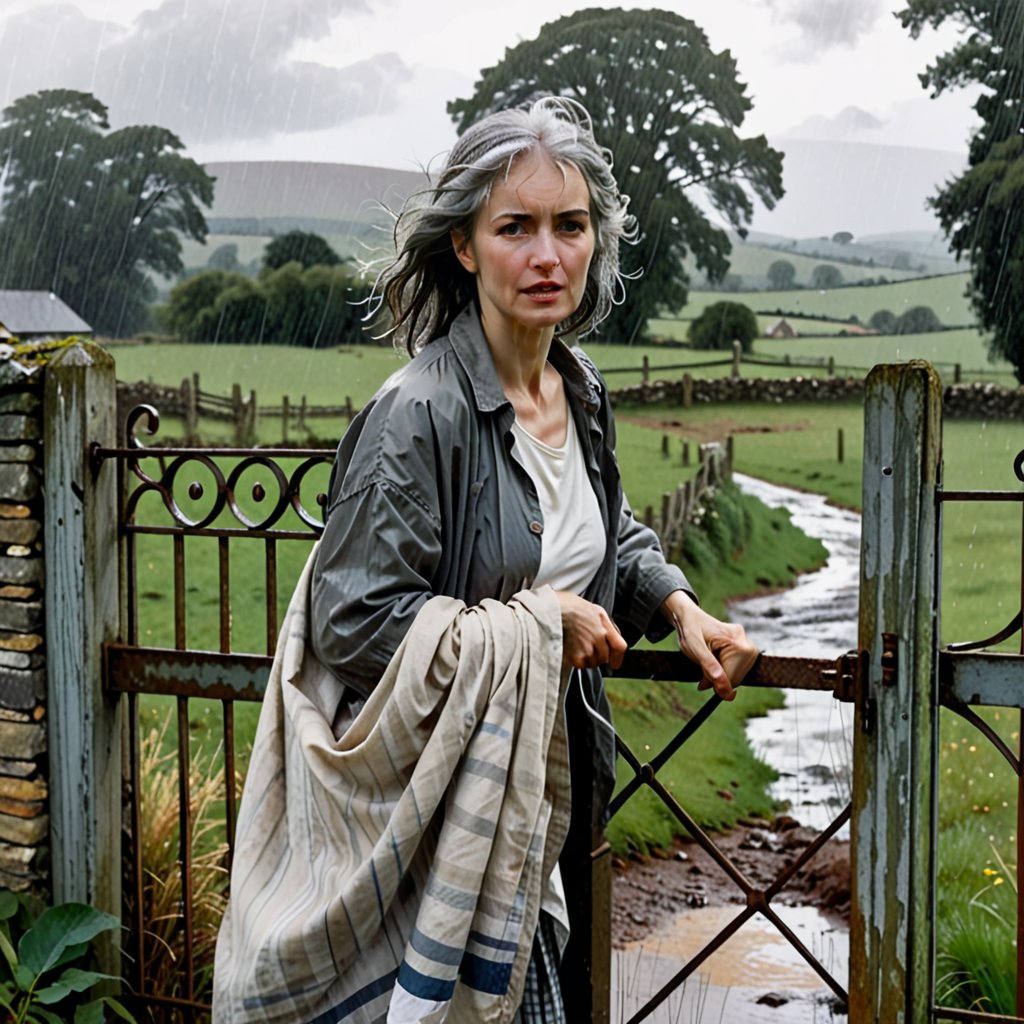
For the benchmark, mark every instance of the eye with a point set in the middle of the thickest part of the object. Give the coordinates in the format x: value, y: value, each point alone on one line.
x: 572, y: 227
x: 512, y: 228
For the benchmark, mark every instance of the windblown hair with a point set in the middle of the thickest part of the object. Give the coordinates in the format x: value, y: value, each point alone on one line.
x: 425, y: 287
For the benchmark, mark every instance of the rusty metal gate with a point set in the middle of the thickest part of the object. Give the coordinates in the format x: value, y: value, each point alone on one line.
x: 227, y: 499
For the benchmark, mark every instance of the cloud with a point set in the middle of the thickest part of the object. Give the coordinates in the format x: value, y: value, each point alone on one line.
x: 207, y: 71
x: 828, y: 23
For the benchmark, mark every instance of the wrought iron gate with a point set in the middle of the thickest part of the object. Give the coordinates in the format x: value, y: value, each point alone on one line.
x: 893, y: 679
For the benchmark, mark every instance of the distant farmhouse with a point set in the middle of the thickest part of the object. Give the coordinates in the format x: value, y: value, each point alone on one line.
x: 781, y: 329
x: 29, y: 316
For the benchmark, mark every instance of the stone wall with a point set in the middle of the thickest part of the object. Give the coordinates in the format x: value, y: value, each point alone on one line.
x: 24, y: 820
x: 986, y: 401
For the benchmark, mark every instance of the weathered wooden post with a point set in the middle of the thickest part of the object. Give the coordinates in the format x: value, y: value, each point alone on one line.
x: 81, y: 586
x: 831, y: 366
x: 686, y: 453
x: 891, y: 941
x: 645, y: 370
x: 687, y: 390
x: 737, y: 356
x: 840, y: 445
x: 664, y: 446
x: 286, y: 413
x: 238, y: 414
x: 190, y: 399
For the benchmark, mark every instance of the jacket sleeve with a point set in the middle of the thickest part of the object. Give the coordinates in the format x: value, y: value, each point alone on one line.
x: 380, y: 547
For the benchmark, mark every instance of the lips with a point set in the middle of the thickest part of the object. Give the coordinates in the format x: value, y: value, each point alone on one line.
x: 543, y: 288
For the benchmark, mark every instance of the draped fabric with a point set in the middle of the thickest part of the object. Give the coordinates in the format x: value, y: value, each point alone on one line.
x: 392, y: 867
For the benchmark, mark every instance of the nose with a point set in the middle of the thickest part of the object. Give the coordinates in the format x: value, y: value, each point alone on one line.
x: 544, y: 257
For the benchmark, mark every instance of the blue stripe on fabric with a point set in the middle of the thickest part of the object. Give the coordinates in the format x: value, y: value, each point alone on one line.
x: 450, y: 896
x: 485, y: 769
x: 423, y: 986
x: 493, y: 943
x: 439, y: 952
x: 474, y: 823
x: 485, y: 975
x: 377, y: 987
x: 495, y: 730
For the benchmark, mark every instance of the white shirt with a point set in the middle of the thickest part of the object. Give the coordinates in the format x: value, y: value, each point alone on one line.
x: 573, y: 543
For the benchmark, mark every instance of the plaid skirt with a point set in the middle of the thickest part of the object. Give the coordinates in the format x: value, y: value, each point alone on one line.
x: 542, y: 994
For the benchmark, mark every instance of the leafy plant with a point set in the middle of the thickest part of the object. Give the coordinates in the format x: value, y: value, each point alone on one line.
x: 46, y: 965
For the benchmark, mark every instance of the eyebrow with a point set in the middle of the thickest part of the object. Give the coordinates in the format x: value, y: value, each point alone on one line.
x: 520, y: 217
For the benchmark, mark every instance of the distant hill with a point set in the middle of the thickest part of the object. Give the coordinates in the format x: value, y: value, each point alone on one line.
x: 269, y: 197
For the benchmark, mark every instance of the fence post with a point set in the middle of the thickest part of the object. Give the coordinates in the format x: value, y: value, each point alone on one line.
x: 81, y: 581
x: 831, y: 366
x: 737, y: 355
x: 645, y: 370
x: 302, y: 414
x: 896, y: 722
x: 253, y: 413
x: 687, y: 390
x: 840, y: 445
x: 238, y: 413
x: 190, y: 399
x: 686, y: 453
x: 286, y: 413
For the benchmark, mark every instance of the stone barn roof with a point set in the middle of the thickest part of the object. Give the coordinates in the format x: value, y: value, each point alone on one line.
x: 25, y: 314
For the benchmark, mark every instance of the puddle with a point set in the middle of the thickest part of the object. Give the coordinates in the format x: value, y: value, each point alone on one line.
x: 755, y: 964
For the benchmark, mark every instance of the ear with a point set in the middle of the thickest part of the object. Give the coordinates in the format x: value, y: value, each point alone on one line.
x: 463, y: 246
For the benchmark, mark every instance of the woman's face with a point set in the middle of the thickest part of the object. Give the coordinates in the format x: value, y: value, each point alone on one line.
x: 531, y: 246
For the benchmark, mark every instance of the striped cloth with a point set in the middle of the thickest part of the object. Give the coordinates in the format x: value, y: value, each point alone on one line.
x: 396, y: 873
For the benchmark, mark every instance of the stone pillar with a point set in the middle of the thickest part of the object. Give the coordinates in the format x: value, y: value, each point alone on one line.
x: 24, y: 821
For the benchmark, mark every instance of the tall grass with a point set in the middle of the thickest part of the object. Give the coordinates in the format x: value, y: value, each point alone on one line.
x: 162, y: 892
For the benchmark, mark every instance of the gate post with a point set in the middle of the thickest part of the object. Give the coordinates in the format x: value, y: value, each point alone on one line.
x: 892, y: 825
x: 80, y: 525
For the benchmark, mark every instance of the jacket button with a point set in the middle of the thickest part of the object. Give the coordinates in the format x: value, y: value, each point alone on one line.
x: 536, y: 527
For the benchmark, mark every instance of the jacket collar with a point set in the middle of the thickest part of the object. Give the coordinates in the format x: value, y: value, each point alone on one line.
x: 467, y: 340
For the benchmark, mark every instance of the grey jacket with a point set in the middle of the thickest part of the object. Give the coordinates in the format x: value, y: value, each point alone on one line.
x: 427, y: 497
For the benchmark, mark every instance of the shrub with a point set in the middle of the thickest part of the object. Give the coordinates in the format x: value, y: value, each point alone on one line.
x: 721, y: 324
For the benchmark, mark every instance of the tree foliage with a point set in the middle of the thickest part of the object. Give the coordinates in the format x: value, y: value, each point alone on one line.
x: 292, y: 305
x: 670, y: 109
x: 883, y: 321
x: 721, y: 324
x: 826, y: 276
x: 781, y: 275
x: 982, y: 210
x: 918, y: 320
x: 303, y: 247
x: 86, y: 211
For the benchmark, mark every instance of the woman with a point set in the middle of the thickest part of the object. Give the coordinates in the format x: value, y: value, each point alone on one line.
x: 484, y: 472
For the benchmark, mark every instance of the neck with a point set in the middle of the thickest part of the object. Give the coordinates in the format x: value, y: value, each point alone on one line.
x: 520, y: 356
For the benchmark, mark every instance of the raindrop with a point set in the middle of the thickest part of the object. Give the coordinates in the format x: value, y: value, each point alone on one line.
x: 195, y: 490
x: 258, y: 492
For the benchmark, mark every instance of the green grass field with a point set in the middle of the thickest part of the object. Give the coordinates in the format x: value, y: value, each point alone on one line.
x: 945, y: 295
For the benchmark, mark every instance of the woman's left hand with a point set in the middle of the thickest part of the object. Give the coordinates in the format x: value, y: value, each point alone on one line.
x: 721, y: 649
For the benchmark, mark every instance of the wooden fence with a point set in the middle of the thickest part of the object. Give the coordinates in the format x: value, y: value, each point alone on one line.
x: 685, y: 504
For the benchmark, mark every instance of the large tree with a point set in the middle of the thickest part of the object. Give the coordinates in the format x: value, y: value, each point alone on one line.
x: 85, y: 211
x: 669, y: 109
x: 982, y: 210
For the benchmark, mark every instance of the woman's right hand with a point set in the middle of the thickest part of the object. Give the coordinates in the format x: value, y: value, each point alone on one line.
x: 589, y: 637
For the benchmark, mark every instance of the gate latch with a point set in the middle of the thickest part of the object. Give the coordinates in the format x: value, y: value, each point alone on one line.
x: 850, y: 678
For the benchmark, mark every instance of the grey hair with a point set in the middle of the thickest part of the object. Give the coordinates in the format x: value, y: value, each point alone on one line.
x: 425, y: 287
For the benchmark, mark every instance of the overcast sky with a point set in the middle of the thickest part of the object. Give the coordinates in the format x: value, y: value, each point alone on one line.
x: 366, y: 81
